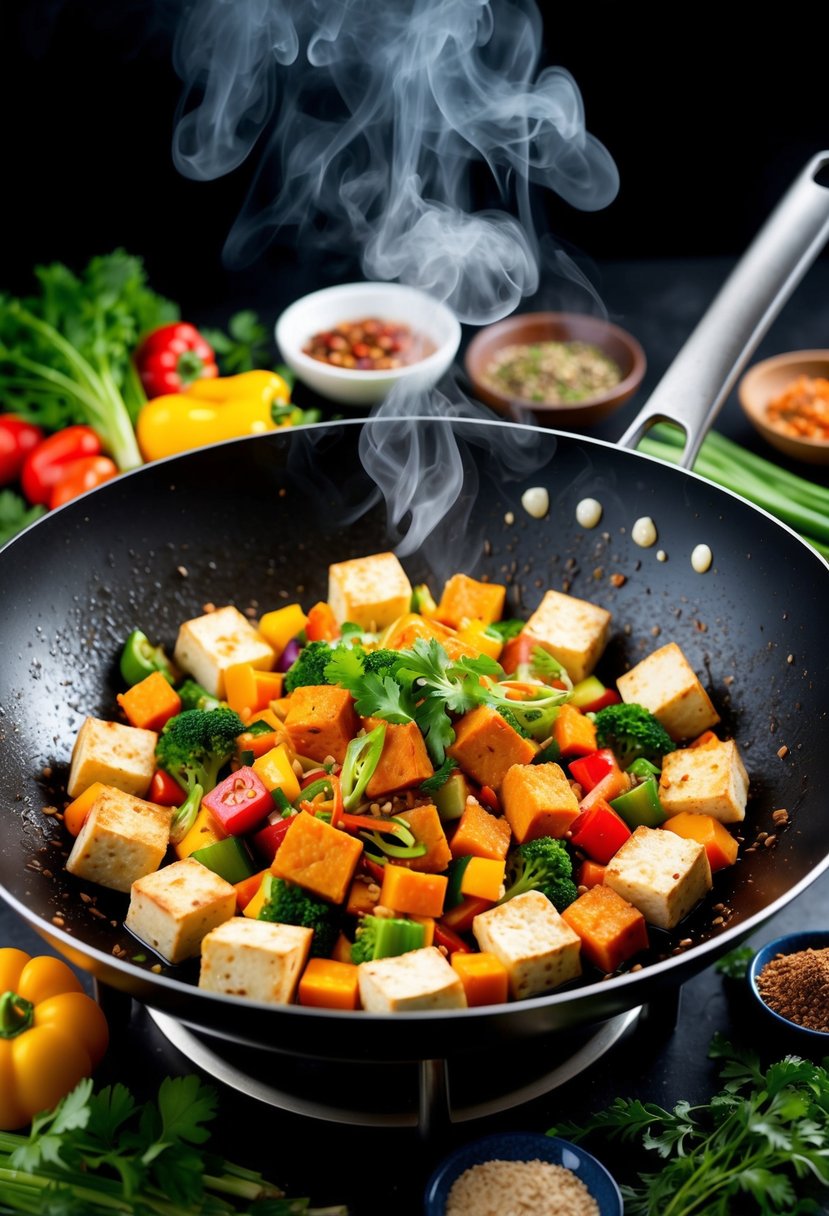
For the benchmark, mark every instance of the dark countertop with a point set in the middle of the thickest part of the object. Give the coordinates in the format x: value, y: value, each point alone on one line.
x: 385, y: 1168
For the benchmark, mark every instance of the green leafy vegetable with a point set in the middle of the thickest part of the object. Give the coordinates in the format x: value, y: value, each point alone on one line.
x: 802, y: 504
x: 758, y: 1148
x: 734, y: 965
x: 66, y: 354
x: 15, y: 514
x: 244, y: 347
x: 99, y: 1153
x: 439, y: 777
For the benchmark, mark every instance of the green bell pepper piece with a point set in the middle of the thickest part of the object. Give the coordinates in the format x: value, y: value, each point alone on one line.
x: 640, y: 807
x: 643, y: 768
x: 140, y: 659
x: 231, y: 859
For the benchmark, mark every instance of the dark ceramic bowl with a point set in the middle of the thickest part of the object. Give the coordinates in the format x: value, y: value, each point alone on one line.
x: 528, y: 328
x: 793, y: 1035
x: 523, y: 1146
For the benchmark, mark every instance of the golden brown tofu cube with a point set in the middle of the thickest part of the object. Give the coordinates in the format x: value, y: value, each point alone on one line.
x: 122, y: 839
x: 538, y: 801
x: 574, y: 631
x: 486, y: 746
x: 321, y: 721
x: 466, y: 599
x: 370, y: 591
x: 667, y: 685
x: 173, y: 909
x: 404, y: 761
x: 709, y: 780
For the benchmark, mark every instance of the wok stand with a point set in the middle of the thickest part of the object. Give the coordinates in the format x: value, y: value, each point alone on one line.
x: 434, y: 1093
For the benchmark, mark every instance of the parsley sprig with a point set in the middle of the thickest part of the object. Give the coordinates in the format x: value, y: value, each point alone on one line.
x: 760, y: 1146
x: 99, y: 1153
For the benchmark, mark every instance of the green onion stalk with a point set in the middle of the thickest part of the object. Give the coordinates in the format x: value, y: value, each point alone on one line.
x: 801, y: 504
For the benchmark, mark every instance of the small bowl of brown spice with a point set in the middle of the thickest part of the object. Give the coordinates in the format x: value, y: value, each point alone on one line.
x: 789, y: 979
x: 522, y: 1171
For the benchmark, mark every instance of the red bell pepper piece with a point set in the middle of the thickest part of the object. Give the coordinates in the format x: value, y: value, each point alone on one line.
x: 516, y: 652
x: 451, y: 942
x: 165, y: 790
x: 82, y: 475
x: 173, y: 356
x: 609, y: 697
x: 268, y: 839
x: 590, y: 769
x: 599, y: 832
x: 240, y: 802
x: 47, y: 464
x: 488, y: 798
x: 17, y: 439
x: 459, y: 919
x: 321, y: 625
x: 373, y: 868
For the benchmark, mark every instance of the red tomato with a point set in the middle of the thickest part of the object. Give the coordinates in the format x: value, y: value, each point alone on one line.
x: 165, y: 790
x: 46, y: 464
x: 81, y: 475
x: 240, y: 802
x: 17, y: 439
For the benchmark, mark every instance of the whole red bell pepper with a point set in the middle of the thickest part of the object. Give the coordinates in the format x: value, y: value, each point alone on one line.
x: 173, y: 356
x: 17, y: 439
x: 48, y: 463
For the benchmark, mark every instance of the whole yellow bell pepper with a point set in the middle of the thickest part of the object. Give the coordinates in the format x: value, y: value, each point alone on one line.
x: 208, y: 411
x: 52, y: 1035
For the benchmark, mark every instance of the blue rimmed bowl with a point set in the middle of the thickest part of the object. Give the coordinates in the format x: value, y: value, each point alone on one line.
x: 795, y: 1035
x: 523, y: 1146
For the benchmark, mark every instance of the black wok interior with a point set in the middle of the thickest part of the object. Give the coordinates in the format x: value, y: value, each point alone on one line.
x: 256, y: 522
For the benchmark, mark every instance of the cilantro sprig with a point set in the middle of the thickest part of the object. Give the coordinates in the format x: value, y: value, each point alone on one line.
x: 760, y: 1147
x: 424, y: 685
x: 99, y: 1153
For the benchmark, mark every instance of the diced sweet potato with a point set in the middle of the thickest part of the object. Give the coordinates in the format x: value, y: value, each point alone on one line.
x: 318, y: 857
x: 485, y: 979
x: 467, y: 599
x: 425, y: 822
x: 538, y: 801
x: 486, y: 746
x: 574, y: 732
x: 150, y: 703
x: 416, y: 894
x: 590, y: 873
x: 321, y: 721
x: 720, y: 845
x: 480, y: 834
x: 483, y: 878
x: 611, y: 929
x: 404, y: 761
x: 329, y: 984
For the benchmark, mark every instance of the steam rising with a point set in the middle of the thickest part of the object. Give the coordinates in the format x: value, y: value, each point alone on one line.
x: 378, y: 129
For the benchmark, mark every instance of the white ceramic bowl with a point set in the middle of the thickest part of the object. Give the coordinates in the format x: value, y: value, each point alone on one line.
x: 351, y: 302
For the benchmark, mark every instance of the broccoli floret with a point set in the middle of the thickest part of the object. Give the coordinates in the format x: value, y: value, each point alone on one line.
x: 509, y: 715
x: 289, y: 904
x: 309, y: 667
x: 193, y: 696
x: 541, y: 865
x: 381, y: 662
x: 631, y: 731
x: 532, y: 717
x: 384, y: 936
x: 195, y: 745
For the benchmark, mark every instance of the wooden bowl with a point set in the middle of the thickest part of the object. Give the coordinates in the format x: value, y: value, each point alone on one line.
x: 767, y: 380
x: 529, y: 328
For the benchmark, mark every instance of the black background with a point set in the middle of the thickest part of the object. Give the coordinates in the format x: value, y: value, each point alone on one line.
x: 707, y: 125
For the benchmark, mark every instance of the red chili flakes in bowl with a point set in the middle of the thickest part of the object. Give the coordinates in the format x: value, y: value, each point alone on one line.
x: 369, y: 345
x: 802, y: 409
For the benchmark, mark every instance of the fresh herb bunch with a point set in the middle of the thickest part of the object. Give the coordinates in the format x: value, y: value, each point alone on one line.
x: 66, y: 354
x: 760, y: 1147
x: 15, y: 514
x: 99, y: 1153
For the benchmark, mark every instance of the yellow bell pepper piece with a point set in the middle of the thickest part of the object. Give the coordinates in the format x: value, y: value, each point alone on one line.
x: 276, y: 772
x: 279, y: 626
x: 209, y: 411
x: 205, y: 831
x: 473, y: 632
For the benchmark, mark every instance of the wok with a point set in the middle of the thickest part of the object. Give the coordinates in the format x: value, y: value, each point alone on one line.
x: 257, y: 521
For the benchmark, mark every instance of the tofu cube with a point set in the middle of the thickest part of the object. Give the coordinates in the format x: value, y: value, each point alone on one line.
x: 370, y: 591
x: 255, y: 959
x: 709, y: 780
x: 667, y: 685
x: 538, y: 801
x: 573, y: 631
x: 486, y: 746
x: 419, y: 979
x: 174, y: 908
x: 321, y: 721
x: 207, y: 645
x: 535, y: 944
x: 661, y: 874
x: 113, y: 753
x: 122, y: 839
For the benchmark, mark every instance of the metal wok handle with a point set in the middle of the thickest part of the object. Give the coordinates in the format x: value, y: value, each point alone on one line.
x: 702, y: 375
